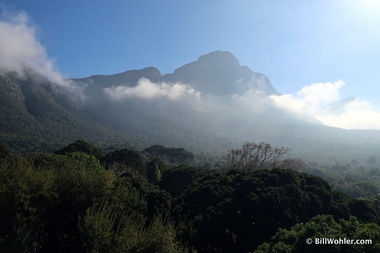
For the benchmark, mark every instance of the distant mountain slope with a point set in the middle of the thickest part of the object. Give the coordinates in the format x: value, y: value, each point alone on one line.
x: 210, y: 105
x: 171, y: 122
x: 36, y: 115
x: 233, y: 107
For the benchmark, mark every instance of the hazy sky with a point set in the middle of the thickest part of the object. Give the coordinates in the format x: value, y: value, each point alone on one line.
x: 296, y: 43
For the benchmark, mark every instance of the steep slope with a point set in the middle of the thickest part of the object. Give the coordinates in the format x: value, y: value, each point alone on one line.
x: 36, y: 115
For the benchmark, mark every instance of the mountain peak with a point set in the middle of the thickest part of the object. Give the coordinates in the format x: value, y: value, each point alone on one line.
x: 220, y: 73
x: 219, y: 56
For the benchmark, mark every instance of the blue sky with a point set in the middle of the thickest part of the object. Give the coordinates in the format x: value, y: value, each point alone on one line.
x: 295, y: 43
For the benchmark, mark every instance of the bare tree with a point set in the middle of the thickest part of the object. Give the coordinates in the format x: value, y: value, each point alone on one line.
x: 255, y: 156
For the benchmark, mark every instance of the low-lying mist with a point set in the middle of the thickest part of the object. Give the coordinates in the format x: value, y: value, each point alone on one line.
x: 212, y: 103
x: 188, y: 108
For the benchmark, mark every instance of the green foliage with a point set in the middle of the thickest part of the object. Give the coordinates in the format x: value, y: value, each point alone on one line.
x: 96, y: 227
x: 124, y: 160
x: 363, y: 210
x: 50, y: 161
x: 358, y: 189
x: 26, y: 197
x: 82, y: 185
x: 158, y: 201
x: 3, y: 151
x: 173, y: 155
x: 83, y: 158
x: 79, y: 207
x: 356, y: 182
x: 374, y: 201
x: 36, y: 116
x: 71, y: 203
x: 240, y: 209
x: 103, y: 229
x: 324, y: 226
x: 176, y: 180
x: 153, y: 172
x: 80, y: 146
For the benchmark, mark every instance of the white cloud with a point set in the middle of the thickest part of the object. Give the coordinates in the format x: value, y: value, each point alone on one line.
x: 355, y: 115
x: 318, y: 93
x: 147, y: 90
x: 21, y: 49
x: 310, y: 98
x: 311, y: 101
x: 291, y: 103
x: 353, y: 120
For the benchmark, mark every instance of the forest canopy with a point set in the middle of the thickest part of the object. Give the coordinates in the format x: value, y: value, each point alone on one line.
x: 82, y: 199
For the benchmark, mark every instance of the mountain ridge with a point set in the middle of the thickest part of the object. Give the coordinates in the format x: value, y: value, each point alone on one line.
x: 232, y: 108
x: 233, y: 77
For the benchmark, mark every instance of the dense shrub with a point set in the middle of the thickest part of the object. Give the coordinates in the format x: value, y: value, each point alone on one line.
x: 79, y: 207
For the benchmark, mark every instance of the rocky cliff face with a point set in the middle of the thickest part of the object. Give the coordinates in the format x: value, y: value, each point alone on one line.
x: 219, y: 73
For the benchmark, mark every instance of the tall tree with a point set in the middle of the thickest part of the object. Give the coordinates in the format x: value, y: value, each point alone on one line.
x: 255, y: 156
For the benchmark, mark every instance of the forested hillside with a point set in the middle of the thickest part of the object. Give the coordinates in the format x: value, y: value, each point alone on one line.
x: 35, y: 115
x: 207, y: 106
x: 83, y: 199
